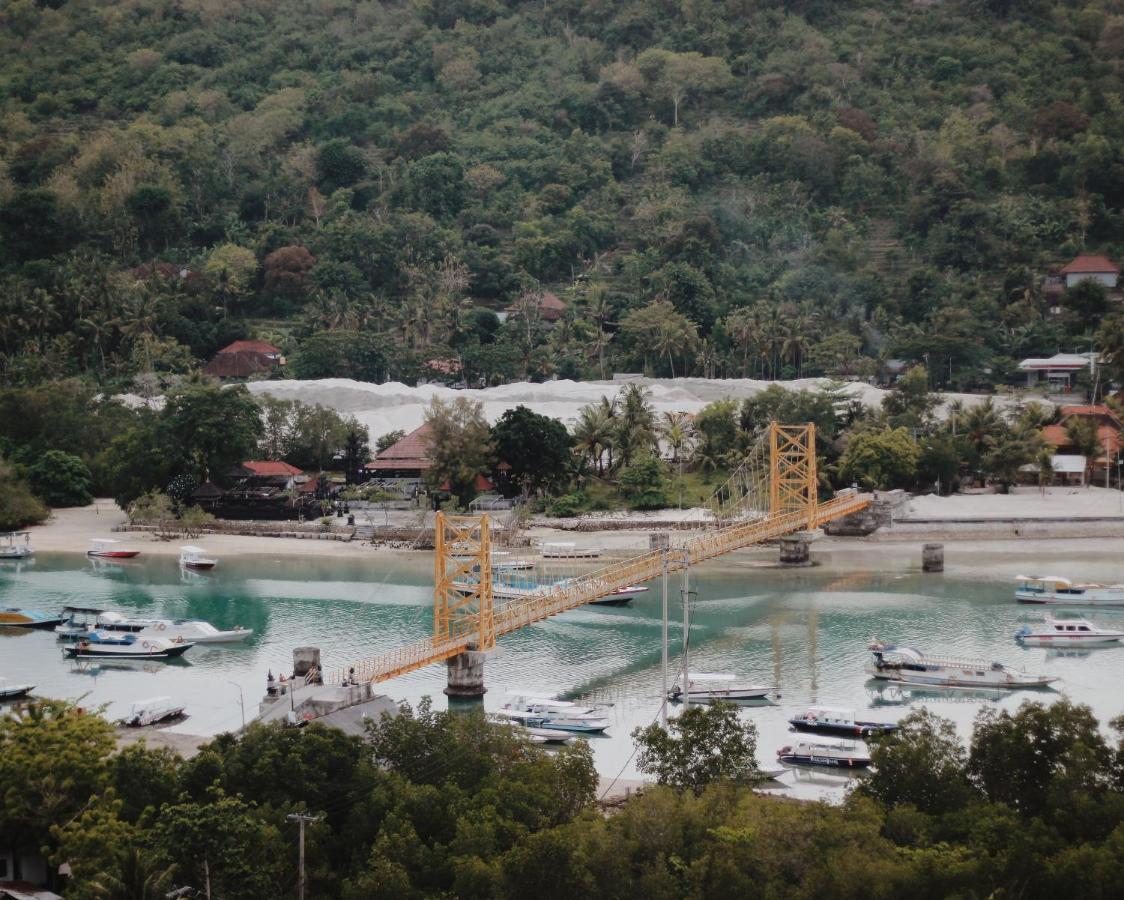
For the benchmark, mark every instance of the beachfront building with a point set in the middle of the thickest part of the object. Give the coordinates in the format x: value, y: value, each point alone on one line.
x: 244, y: 359
x: 1058, y: 372
x: 274, y: 473
x: 1101, y: 468
x: 399, y: 469
x: 1066, y: 470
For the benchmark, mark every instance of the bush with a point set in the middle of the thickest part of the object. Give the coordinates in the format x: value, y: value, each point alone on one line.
x: 61, y: 479
x: 18, y: 507
x: 565, y: 507
x: 643, y: 484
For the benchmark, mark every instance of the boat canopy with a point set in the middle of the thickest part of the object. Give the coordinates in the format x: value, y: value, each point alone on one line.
x: 711, y: 676
x: 112, y: 618
x: 151, y: 702
x: 189, y: 549
x: 104, y: 541
x: 83, y: 609
x: 531, y: 695
x: 833, y: 712
x: 1046, y: 579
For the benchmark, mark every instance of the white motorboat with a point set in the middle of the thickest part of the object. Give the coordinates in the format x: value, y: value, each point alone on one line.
x: 1075, y: 632
x: 195, y: 558
x: 704, y: 687
x: 548, y: 735
x: 568, y: 550
x: 101, y: 644
x: 837, y: 721
x: 523, y: 589
x: 194, y: 630
x: 152, y: 711
x: 9, y: 691
x: 555, y: 720
x: 831, y: 754
x: 12, y: 548
x: 908, y: 665
x: 1053, y: 590
x: 109, y: 548
x: 79, y: 620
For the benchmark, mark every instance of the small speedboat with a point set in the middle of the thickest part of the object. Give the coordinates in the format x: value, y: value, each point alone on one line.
x: 195, y: 631
x: 548, y: 735
x: 12, y: 548
x: 152, y: 711
x: 1053, y: 632
x: 556, y: 721
x: 195, y: 558
x: 837, y: 721
x: 703, y: 687
x: 10, y: 691
x: 106, y: 645
x: 1053, y: 590
x: 16, y: 617
x: 834, y: 754
x: 109, y: 548
x: 620, y: 596
x: 908, y: 665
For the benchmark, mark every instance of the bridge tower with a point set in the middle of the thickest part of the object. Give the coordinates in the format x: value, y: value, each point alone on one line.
x: 462, y: 598
x: 793, y: 482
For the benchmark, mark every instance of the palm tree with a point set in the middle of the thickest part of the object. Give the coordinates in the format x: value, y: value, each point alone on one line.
x: 141, y: 878
x: 636, y: 425
x: 677, y: 431
x: 743, y: 328
x: 600, y: 312
x: 983, y: 425
x: 592, y: 434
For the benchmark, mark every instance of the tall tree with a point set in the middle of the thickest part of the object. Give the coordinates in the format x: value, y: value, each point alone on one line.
x: 536, y: 447
x: 460, y: 446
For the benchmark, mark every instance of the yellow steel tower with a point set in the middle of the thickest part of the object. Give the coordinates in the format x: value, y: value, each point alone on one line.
x: 793, y: 483
x: 462, y: 579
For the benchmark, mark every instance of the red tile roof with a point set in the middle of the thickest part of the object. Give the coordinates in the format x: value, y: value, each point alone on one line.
x: 251, y: 347
x: 237, y: 365
x: 1091, y: 265
x: 1057, y: 436
x: 270, y: 467
x: 1097, y: 410
x: 412, y: 452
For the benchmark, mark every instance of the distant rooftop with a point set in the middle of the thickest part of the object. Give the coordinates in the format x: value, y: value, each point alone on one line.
x: 1091, y: 265
x: 1057, y: 361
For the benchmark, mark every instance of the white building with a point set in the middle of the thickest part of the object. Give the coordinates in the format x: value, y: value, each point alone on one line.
x: 1059, y: 371
x: 1098, y: 268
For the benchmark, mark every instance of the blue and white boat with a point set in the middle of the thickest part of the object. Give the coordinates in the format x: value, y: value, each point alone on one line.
x: 106, y: 645
x: 16, y: 617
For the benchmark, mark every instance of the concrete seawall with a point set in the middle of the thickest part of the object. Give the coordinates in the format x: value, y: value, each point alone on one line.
x: 999, y: 529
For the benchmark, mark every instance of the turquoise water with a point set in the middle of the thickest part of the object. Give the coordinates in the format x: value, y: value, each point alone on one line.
x: 802, y: 631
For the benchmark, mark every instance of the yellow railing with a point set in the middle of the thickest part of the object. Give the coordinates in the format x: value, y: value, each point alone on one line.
x: 600, y: 583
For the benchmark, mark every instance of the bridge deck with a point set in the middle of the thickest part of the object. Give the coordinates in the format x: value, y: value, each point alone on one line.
x: 600, y: 583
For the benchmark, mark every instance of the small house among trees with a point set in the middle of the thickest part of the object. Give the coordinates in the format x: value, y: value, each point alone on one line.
x: 243, y: 359
x: 1090, y: 268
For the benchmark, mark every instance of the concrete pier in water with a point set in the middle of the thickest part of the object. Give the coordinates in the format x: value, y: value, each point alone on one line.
x: 794, y: 548
x: 466, y: 675
x: 932, y: 558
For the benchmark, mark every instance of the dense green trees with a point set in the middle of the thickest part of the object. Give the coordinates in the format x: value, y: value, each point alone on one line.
x: 537, y: 448
x: 715, y: 189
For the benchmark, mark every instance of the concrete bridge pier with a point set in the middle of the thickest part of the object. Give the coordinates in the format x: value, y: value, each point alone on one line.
x: 794, y: 549
x: 466, y: 675
x: 932, y: 558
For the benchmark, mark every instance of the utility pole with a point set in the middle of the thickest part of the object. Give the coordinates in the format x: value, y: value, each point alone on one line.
x: 686, y: 628
x: 301, y: 818
x: 663, y: 703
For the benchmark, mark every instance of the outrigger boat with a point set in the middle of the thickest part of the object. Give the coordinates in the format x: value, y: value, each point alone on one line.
x: 14, y: 691
x: 908, y: 665
x: 1053, y: 590
x: 837, y: 721
x: 834, y: 755
x: 100, y: 644
x: 109, y: 548
x: 16, y: 617
x: 10, y: 548
x: 194, y: 558
x: 706, y: 687
x: 1066, y: 633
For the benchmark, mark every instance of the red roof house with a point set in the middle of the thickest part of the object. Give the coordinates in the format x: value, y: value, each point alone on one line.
x: 242, y: 359
x: 551, y: 308
x: 1098, y: 268
x: 270, y: 467
x: 407, y: 458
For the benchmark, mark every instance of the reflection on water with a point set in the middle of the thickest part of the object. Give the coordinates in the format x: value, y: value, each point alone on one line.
x: 804, y: 632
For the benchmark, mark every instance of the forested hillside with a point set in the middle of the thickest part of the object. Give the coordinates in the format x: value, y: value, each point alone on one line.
x: 710, y: 186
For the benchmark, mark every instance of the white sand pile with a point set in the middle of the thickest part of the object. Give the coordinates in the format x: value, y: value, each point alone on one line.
x: 391, y: 406
x: 1021, y: 503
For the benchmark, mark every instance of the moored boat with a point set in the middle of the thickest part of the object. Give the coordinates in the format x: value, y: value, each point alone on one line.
x: 109, y: 548
x: 1052, y: 632
x: 908, y: 665
x: 1053, y: 590
x: 152, y: 711
x: 568, y: 550
x: 195, y: 558
x: 17, y: 617
x: 12, y: 548
x: 833, y: 754
x: 79, y: 620
x: 556, y: 721
x: 10, y: 691
x: 101, y: 644
x: 837, y: 721
x: 196, y: 631
x: 704, y: 687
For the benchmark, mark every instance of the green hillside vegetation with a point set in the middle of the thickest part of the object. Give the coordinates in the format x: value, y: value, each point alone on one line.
x: 715, y: 187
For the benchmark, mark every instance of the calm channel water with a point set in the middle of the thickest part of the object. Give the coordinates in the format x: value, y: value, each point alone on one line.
x: 803, y: 631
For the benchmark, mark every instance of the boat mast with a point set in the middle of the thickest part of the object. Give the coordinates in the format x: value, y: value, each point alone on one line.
x: 663, y: 662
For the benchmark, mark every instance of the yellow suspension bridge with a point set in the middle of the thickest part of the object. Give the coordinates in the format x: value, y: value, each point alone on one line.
x: 773, y: 493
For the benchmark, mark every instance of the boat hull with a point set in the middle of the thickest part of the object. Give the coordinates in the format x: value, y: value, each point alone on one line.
x: 719, y: 696
x: 199, y: 566
x: 855, y: 729
x: 17, y: 553
x: 1089, y: 597
x: 112, y: 554
x: 1069, y: 640
x: 16, y: 619
x: 15, y: 691
x: 94, y: 652
x: 922, y: 679
x: 827, y: 762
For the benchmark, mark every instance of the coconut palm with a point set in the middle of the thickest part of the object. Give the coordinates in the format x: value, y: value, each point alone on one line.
x: 593, y: 434
x: 677, y: 431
